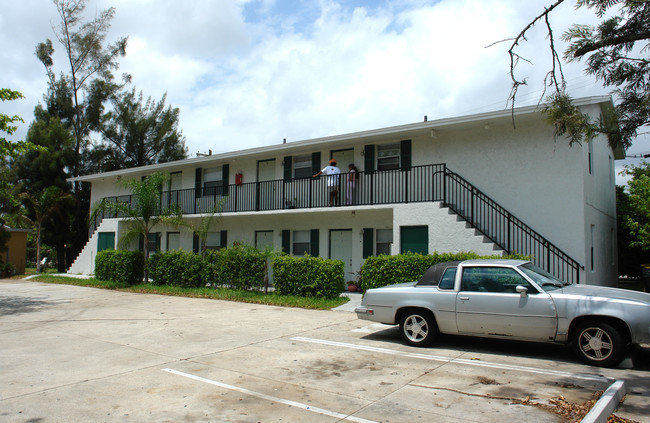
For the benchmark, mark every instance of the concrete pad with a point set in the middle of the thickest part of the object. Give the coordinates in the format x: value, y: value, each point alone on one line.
x: 82, y: 354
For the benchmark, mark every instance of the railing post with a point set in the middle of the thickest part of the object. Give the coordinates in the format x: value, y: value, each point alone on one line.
x: 471, y: 207
x: 372, y: 188
x: 444, y: 186
x: 508, y: 242
x: 406, y: 186
x: 548, y: 256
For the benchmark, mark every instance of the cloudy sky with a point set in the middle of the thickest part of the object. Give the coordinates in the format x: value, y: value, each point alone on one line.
x: 248, y: 73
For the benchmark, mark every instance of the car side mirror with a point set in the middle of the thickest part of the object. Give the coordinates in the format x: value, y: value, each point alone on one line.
x: 522, y: 290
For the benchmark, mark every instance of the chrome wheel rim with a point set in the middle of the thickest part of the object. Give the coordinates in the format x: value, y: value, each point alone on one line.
x: 416, y: 328
x: 596, y: 344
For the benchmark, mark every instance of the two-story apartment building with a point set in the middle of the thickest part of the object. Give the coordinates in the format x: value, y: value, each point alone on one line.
x: 470, y: 183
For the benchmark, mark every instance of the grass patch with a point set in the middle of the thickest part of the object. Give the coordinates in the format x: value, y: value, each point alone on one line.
x: 254, y: 297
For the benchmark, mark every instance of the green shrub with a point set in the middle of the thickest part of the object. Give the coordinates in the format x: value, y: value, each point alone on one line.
x: 387, y: 270
x: 240, y: 266
x: 308, y: 276
x: 120, y: 266
x: 176, y: 268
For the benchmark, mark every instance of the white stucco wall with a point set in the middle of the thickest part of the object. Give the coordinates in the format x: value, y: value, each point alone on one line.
x: 540, y: 179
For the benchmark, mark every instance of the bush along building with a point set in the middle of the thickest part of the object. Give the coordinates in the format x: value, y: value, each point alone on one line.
x: 470, y: 183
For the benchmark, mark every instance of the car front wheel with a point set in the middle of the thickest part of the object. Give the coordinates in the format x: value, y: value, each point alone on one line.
x: 599, y: 344
x: 418, y: 328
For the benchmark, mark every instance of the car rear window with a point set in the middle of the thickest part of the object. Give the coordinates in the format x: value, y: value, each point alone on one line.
x: 448, y: 278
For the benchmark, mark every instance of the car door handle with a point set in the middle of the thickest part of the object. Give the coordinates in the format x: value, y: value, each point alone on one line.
x: 464, y: 298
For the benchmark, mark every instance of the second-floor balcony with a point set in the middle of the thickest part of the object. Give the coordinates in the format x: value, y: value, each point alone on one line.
x: 416, y: 184
x: 428, y: 183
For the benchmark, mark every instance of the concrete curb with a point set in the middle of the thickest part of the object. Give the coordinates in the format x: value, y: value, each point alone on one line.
x: 606, y: 404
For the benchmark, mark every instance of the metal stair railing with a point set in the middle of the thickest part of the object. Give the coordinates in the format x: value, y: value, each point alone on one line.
x: 505, y: 230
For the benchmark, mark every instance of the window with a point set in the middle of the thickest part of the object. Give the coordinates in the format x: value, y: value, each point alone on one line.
x: 173, y: 241
x: 448, y: 278
x: 388, y: 156
x: 213, y: 181
x: 301, y: 243
x: 302, y: 166
x: 493, y: 279
x: 384, y: 241
x: 153, y: 243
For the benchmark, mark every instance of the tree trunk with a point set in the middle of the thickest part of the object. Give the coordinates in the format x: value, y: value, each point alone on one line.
x: 38, y: 249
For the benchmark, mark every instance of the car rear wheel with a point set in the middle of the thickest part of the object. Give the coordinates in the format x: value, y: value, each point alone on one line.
x: 599, y: 344
x: 418, y: 328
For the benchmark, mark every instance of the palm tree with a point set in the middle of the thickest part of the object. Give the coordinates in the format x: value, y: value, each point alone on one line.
x: 43, y: 206
x: 141, y: 214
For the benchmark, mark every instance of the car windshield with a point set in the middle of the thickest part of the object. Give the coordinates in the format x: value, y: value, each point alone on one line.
x: 542, y: 278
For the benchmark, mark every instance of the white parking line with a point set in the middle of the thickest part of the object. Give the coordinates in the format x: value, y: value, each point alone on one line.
x: 477, y: 363
x: 271, y: 398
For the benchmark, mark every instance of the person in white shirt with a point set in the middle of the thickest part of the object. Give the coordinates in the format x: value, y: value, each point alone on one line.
x: 332, y: 173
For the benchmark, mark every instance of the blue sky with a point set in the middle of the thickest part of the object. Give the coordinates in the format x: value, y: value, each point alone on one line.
x: 248, y: 73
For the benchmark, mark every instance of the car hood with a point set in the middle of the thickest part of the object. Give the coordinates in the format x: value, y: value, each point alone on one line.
x: 603, y: 292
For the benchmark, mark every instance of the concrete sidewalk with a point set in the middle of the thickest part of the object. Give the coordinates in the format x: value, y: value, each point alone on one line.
x: 355, y: 301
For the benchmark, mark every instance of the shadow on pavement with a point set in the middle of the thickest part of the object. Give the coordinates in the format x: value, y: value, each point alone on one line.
x: 20, y: 305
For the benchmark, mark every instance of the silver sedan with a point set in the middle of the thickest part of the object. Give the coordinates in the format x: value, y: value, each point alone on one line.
x: 513, y: 299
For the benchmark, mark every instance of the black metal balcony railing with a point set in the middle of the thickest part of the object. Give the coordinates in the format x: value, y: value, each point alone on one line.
x: 417, y: 184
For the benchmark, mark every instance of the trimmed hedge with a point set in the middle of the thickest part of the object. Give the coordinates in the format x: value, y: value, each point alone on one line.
x: 388, y: 270
x: 177, y: 268
x: 240, y: 266
x: 120, y: 266
x: 308, y: 276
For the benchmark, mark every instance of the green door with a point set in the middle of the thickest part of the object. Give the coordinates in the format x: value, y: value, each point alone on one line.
x: 415, y: 239
x: 106, y: 241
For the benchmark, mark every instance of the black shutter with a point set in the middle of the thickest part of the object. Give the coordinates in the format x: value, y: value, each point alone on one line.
x: 287, y: 168
x: 141, y: 242
x: 198, y: 182
x: 314, y: 242
x: 225, y: 178
x: 369, y: 158
x: 286, y: 241
x: 224, y: 239
x: 405, y: 154
x: 196, y: 244
x: 368, y: 242
x: 158, y: 242
x: 315, y: 163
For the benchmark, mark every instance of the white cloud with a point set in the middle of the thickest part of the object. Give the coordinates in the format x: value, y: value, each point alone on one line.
x: 247, y: 73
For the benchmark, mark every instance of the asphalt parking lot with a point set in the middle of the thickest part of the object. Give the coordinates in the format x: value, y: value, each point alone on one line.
x: 82, y: 354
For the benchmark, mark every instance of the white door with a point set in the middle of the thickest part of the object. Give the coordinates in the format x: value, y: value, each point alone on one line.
x: 343, y: 159
x: 341, y: 249
x: 263, y: 239
x: 175, y: 185
x: 266, y: 186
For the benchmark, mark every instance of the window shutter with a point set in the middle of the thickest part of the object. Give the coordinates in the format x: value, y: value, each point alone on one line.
x: 315, y: 163
x: 158, y: 242
x: 141, y: 242
x: 314, y: 242
x: 368, y: 242
x: 287, y: 168
x: 198, y: 182
x: 369, y: 158
x: 405, y: 155
x: 225, y: 178
x: 224, y: 239
x: 196, y: 244
x: 286, y: 241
